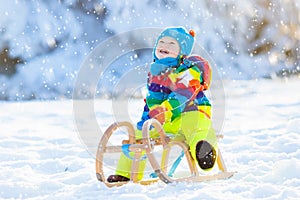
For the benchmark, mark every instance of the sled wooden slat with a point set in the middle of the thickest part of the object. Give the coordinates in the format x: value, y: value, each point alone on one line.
x: 155, y: 141
x: 149, y: 181
x: 113, y: 149
x: 118, y: 149
x: 220, y: 162
x: 202, y: 178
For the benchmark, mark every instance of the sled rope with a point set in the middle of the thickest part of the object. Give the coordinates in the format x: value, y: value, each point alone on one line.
x: 173, y: 168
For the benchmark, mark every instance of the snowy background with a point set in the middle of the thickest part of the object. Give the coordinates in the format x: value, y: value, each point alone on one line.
x: 43, y: 45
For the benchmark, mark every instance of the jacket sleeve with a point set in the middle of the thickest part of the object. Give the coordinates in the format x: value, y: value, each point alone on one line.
x: 157, y: 93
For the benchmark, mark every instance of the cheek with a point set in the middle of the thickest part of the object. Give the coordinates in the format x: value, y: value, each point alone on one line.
x: 156, y: 51
x: 158, y: 55
x: 159, y: 46
x: 178, y: 49
x: 175, y: 50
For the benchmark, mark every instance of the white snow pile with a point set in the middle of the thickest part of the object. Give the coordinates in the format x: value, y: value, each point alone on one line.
x: 42, y: 156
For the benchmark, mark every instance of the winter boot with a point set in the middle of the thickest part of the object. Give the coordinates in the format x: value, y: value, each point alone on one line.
x: 117, y: 178
x: 205, y: 154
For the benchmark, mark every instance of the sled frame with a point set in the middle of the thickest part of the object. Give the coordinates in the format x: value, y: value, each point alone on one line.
x: 147, y: 144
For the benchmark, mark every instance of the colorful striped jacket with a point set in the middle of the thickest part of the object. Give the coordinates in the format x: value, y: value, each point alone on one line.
x: 180, y: 89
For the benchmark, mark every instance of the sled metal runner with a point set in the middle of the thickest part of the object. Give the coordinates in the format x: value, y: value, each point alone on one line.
x: 146, y: 144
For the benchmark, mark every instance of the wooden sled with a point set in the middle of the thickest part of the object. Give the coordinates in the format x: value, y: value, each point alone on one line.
x: 146, y: 144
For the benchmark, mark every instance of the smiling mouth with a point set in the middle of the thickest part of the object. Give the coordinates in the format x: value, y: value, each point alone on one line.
x: 164, y: 51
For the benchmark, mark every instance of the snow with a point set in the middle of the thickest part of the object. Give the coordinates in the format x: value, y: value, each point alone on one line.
x: 53, y: 38
x: 45, y: 153
x: 44, y: 157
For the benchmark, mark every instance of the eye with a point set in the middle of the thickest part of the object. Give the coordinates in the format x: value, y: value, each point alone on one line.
x: 161, y: 41
x: 172, y: 42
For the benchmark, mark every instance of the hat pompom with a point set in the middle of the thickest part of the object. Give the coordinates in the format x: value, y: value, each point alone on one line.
x: 192, y: 32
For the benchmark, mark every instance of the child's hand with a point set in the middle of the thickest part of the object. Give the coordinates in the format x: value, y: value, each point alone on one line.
x: 158, y: 113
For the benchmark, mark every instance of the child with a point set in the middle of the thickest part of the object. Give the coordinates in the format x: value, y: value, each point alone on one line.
x: 176, y: 84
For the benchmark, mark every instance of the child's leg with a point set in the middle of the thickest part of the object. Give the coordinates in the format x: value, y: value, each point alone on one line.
x: 125, y: 163
x: 124, y: 166
x: 196, y: 127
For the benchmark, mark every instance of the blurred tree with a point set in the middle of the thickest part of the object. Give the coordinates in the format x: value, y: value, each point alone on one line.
x: 7, y: 63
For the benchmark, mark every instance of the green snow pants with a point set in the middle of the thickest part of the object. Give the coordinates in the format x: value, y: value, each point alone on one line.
x: 194, y: 126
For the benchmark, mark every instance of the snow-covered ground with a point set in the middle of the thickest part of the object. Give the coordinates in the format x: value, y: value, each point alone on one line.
x: 42, y: 156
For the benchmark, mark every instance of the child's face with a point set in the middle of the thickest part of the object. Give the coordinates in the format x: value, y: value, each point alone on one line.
x: 167, y: 47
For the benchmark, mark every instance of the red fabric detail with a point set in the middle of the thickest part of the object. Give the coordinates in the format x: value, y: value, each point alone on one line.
x: 158, y: 113
x: 205, y: 68
x: 206, y: 115
x: 163, y: 80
